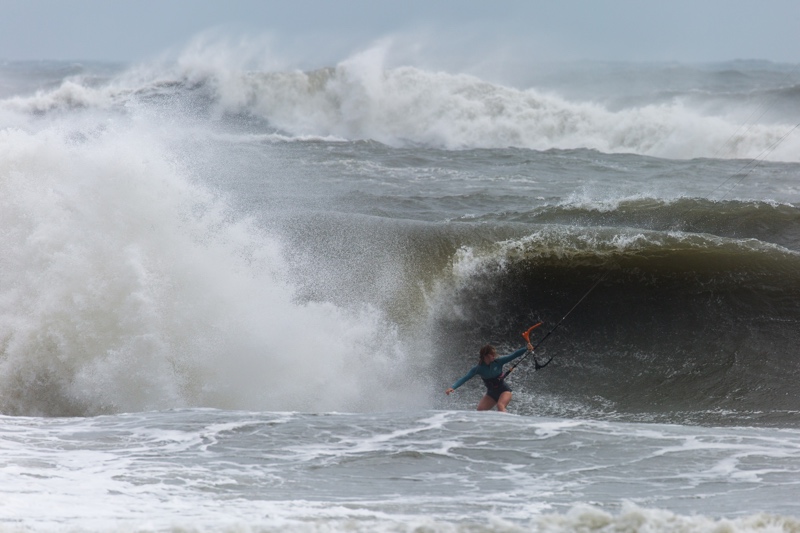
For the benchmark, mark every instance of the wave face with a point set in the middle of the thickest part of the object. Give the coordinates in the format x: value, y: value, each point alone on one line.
x: 200, y: 234
x: 688, y: 327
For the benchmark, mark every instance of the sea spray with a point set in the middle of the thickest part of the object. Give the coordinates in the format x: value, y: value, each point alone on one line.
x: 127, y: 286
x: 365, y: 97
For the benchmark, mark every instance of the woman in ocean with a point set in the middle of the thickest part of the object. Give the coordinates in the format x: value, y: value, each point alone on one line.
x: 490, y: 368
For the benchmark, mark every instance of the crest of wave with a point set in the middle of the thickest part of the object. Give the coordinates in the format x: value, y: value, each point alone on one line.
x: 126, y: 286
x: 71, y: 94
x: 361, y: 98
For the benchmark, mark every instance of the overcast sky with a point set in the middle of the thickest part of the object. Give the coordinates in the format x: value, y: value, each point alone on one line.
x: 325, y: 31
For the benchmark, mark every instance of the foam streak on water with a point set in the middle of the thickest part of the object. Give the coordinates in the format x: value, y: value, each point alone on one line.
x: 208, y: 469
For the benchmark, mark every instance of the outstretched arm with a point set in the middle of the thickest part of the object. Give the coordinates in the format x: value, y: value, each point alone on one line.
x: 463, y: 380
x: 519, y: 353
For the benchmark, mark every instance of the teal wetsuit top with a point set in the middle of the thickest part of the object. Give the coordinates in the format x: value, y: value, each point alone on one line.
x: 490, y: 371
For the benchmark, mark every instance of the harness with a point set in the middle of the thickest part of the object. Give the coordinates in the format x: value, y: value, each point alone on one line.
x: 494, y: 383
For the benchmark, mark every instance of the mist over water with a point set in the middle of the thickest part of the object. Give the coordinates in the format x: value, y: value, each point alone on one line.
x: 128, y: 285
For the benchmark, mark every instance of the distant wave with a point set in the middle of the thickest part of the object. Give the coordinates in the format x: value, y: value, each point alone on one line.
x: 411, y: 106
x: 361, y: 99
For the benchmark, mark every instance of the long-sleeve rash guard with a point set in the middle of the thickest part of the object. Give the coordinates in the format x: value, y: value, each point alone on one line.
x: 492, y: 370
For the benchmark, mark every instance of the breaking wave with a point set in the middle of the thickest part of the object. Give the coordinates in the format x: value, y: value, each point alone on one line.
x: 125, y: 286
x: 363, y: 98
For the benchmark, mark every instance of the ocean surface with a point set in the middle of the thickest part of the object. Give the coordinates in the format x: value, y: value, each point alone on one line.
x: 232, y: 297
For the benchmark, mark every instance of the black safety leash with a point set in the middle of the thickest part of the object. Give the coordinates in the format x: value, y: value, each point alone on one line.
x: 537, y: 365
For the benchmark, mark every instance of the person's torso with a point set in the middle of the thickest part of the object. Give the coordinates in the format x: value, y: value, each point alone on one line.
x: 492, y: 370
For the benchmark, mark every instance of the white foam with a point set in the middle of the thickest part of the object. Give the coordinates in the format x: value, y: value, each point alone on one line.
x: 363, y: 98
x: 366, y: 97
x: 209, y: 469
x: 125, y: 285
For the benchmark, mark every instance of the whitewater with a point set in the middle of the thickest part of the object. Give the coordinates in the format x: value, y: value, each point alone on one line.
x: 232, y: 296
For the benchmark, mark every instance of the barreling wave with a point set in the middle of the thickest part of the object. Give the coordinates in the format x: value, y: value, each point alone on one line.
x: 695, y: 317
x: 682, y: 327
x: 361, y: 98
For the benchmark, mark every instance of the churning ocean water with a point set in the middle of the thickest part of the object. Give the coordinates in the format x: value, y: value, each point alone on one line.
x: 231, y: 299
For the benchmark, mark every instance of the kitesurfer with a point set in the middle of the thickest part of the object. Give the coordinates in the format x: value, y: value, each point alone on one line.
x: 490, y: 368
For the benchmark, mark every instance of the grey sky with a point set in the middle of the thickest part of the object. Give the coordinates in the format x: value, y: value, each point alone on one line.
x: 325, y: 31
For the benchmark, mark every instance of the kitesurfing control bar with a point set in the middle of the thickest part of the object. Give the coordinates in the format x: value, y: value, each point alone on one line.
x: 526, y: 334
